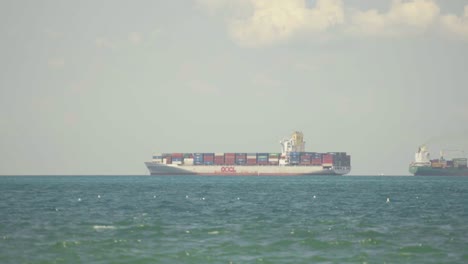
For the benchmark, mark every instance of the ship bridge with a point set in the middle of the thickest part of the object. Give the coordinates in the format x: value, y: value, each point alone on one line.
x: 294, y: 144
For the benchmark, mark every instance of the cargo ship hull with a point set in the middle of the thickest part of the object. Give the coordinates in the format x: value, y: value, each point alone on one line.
x: 243, y: 170
x: 430, y: 171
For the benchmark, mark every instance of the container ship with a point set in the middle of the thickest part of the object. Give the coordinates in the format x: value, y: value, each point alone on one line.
x: 293, y: 160
x: 423, y: 165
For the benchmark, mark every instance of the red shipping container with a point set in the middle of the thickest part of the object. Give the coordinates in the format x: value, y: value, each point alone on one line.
x: 316, y: 161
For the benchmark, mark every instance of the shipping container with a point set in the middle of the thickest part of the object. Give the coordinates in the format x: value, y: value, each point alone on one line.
x: 167, y: 160
x: 316, y: 161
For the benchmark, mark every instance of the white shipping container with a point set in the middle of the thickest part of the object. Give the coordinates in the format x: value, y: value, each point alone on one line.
x: 177, y: 162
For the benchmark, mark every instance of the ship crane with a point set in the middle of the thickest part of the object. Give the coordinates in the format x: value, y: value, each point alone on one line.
x: 444, y: 151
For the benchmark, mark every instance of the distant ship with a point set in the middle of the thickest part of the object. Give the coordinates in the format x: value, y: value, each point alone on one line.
x: 423, y: 165
x: 292, y: 161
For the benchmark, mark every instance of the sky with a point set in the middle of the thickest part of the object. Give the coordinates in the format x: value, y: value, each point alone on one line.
x: 97, y: 87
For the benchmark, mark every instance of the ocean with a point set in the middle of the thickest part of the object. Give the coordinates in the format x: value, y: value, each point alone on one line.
x: 196, y: 219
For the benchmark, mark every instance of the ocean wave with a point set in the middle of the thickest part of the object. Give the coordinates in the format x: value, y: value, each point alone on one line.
x: 103, y: 227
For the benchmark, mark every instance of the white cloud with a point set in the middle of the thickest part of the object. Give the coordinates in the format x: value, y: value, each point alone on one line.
x: 202, y: 87
x: 455, y: 24
x: 265, y: 80
x: 402, y: 18
x: 276, y: 20
x: 256, y: 23
x: 56, y: 63
x: 102, y: 42
x: 135, y: 38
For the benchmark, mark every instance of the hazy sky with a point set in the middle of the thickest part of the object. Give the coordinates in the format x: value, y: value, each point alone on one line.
x: 97, y: 87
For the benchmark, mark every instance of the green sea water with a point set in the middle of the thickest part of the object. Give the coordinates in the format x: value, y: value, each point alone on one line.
x: 196, y: 219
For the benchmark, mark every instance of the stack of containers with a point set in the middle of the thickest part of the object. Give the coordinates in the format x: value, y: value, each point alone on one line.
x: 219, y: 159
x: 198, y: 159
x: 460, y: 162
x: 316, y: 159
x: 229, y: 158
x: 241, y: 158
x: 339, y: 159
x: 327, y: 159
x: 306, y: 158
x: 273, y: 158
x: 188, y: 159
x: 449, y: 163
x: 294, y: 157
x: 251, y: 158
x: 208, y: 158
x: 157, y: 157
x: 167, y: 160
x: 177, y: 158
x: 262, y: 158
